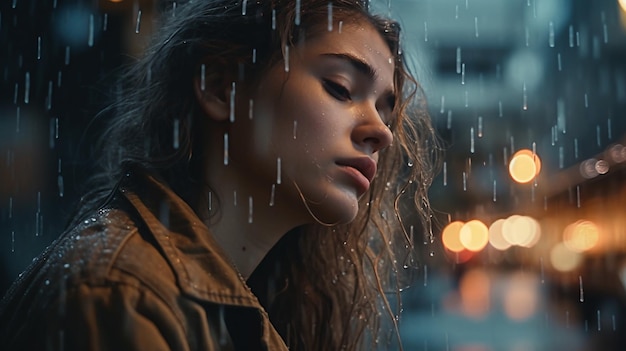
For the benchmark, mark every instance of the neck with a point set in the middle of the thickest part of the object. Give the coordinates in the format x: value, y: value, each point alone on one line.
x: 249, y: 218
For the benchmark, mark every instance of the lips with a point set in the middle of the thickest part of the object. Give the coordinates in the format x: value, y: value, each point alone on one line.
x: 364, y: 165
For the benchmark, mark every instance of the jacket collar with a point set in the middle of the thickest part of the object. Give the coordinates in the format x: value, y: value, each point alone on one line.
x: 201, y: 267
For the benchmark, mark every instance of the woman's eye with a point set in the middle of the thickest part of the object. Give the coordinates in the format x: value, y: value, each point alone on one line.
x: 337, y: 90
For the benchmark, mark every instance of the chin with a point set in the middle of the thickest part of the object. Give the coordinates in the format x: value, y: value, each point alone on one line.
x: 334, y: 210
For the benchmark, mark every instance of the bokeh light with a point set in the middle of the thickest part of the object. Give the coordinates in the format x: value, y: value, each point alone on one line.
x: 521, y: 298
x: 581, y: 236
x: 564, y: 259
x: 524, y: 166
x: 451, y: 236
x: 496, y: 239
x: 475, y: 292
x: 521, y: 231
x: 474, y: 235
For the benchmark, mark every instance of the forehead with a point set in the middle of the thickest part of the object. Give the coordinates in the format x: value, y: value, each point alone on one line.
x: 358, y: 38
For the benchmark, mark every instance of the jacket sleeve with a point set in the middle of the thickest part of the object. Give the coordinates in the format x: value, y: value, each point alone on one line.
x: 116, y: 316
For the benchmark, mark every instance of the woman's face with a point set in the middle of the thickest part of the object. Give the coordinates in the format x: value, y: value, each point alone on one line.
x: 320, y: 117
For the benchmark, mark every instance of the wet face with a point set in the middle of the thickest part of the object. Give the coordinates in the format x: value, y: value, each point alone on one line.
x: 316, y: 123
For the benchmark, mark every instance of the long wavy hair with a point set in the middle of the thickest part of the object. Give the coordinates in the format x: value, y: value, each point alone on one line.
x: 325, y: 288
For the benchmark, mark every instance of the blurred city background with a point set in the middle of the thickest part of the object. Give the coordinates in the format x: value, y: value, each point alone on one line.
x: 528, y: 97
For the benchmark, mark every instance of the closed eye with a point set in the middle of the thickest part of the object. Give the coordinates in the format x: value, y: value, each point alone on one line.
x: 336, y: 90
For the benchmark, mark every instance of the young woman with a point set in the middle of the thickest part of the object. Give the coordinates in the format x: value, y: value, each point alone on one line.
x: 253, y: 174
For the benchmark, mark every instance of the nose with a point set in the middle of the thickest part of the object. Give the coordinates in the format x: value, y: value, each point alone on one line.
x: 371, y: 133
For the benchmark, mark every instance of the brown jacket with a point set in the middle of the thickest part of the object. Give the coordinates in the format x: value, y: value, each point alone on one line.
x: 146, y: 275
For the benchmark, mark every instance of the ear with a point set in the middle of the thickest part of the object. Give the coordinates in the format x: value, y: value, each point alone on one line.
x: 212, y: 98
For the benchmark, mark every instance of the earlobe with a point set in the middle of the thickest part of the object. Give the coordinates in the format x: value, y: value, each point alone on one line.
x: 213, y: 102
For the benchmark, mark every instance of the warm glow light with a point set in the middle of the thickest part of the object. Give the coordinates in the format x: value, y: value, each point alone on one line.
x: 521, y: 298
x: 116, y: 0
x: 474, y: 235
x: 622, y: 4
x: 496, y: 239
x: 521, y: 231
x: 524, y: 166
x: 581, y: 236
x: 450, y: 236
x: 475, y: 291
x: 564, y: 259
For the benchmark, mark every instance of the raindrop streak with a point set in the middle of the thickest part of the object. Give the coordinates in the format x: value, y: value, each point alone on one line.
x: 27, y: 87
x: 476, y: 26
x: 250, y: 108
x: 17, y: 120
x: 449, y: 120
x: 11, y: 207
x: 586, y: 97
x: 272, y: 194
x: 425, y: 275
x: 15, y: 93
x: 443, y: 104
x: 445, y: 173
x: 464, y: 181
x: 105, y: 21
x: 13, y: 242
x: 524, y: 97
x: 250, y: 209
x: 456, y: 12
x: 425, y: 31
x: 91, y: 29
x: 561, y: 157
x: 598, y: 138
x: 578, y: 202
x: 458, y: 59
x: 38, y: 216
x: 543, y: 277
x: 295, y: 129
x: 472, y: 140
x: 500, y: 110
x: 235, y: 198
x: 210, y: 200
x: 273, y: 19
x: 286, y: 58
x: 202, y: 77
x: 232, y: 102
x: 225, y: 149
x: 462, y: 74
x: 297, y: 19
x: 480, y: 126
x: 138, y: 25
x: 330, y: 16
x: 176, y: 134
x: 576, y: 148
x: 49, y: 97
x: 613, y: 322
x: 527, y: 36
x: 59, y: 79
x: 571, y: 36
x: 278, y: 170
x: 38, y: 48
x: 551, y: 35
x: 609, y: 129
x: 558, y: 62
x: 60, y: 183
x: 599, y: 321
x: 244, y: 4
x: 67, y: 55
x: 580, y: 282
x: 494, y: 191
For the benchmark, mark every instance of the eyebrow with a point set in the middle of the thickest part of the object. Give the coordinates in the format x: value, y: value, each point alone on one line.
x: 364, y: 68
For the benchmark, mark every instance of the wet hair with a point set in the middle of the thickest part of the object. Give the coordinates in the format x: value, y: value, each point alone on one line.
x: 325, y: 288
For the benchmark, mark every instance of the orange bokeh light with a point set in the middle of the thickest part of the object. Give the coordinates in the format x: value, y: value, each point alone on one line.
x: 474, y: 235
x: 451, y: 236
x: 524, y: 166
x: 581, y: 236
